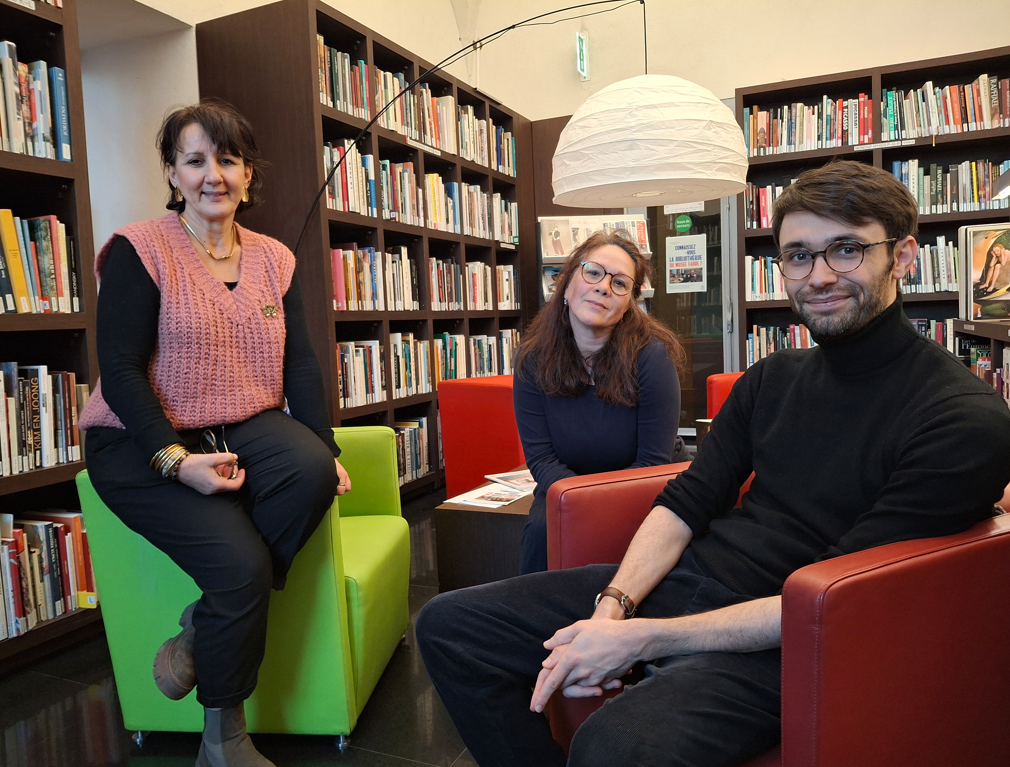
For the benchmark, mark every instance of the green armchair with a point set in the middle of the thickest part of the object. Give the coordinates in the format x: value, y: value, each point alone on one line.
x: 331, y: 631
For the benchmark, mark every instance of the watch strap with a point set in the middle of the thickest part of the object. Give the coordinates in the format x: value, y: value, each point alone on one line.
x: 626, y: 602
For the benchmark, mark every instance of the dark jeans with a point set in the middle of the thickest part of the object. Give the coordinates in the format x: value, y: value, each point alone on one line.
x: 234, y: 545
x: 483, y: 647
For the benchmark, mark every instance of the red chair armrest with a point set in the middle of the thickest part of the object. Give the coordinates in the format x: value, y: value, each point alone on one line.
x: 591, y: 519
x: 897, y: 654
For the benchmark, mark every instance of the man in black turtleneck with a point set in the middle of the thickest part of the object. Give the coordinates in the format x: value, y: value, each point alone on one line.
x: 874, y: 436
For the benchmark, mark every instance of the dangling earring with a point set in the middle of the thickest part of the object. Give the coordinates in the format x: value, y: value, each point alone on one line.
x: 177, y: 194
x: 566, y: 302
x: 245, y: 194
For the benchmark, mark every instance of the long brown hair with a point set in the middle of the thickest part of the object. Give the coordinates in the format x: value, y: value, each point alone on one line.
x: 554, y: 357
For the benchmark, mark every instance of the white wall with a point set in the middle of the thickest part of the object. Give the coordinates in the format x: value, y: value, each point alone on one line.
x: 128, y: 88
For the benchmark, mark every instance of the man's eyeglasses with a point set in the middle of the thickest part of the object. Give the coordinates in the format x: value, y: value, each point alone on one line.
x: 620, y: 284
x: 842, y: 256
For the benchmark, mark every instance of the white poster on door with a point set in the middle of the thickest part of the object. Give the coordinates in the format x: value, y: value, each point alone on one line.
x: 685, y: 264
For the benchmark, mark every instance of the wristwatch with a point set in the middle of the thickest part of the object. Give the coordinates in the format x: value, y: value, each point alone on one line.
x: 627, y: 604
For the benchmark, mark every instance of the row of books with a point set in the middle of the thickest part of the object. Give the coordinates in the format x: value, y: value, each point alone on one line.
x: 45, y: 569
x: 39, y: 269
x: 346, y: 85
x: 507, y: 278
x: 935, y: 269
x: 412, y: 459
x: 762, y: 280
x: 941, y: 331
x: 801, y: 127
x: 361, y: 365
x: 364, y: 280
x: 411, y: 366
x: 508, y: 343
x: 401, y: 197
x: 361, y: 378
x: 977, y: 354
x: 484, y: 356
x: 966, y: 186
x: 982, y: 104
x: 487, y: 144
x: 351, y: 188
x: 35, y: 114
x: 446, y: 281
x: 479, y: 287
x: 765, y: 340
x: 759, y: 203
x: 39, y: 409
x: 343, y: 83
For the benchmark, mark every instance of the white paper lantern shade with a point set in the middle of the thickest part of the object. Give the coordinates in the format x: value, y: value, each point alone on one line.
x: 649, y: 140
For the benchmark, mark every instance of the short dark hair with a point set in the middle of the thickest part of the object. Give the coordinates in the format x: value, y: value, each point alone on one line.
x: 227, y: 130
x: 853, y: 193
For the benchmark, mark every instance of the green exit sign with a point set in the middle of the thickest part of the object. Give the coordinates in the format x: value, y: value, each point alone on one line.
x: 582, y: 54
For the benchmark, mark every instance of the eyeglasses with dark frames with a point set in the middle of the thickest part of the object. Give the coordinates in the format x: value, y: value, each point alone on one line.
x: 842, y: 257
x: 620, y: 284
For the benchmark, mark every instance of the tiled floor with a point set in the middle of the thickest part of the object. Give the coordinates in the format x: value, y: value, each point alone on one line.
x: 63, y: 711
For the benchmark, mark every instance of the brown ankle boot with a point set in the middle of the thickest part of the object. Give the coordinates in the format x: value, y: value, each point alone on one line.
x: 174, y: 673
x: 225, y: 741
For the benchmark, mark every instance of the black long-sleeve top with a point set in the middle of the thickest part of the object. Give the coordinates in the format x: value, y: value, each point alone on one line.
x: 127, y: 326
x: 880, y: 437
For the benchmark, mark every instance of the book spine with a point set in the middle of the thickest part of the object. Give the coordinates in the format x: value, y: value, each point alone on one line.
x: 61, y: 113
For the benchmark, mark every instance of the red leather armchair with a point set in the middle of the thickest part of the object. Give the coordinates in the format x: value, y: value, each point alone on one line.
x: 891, y: 657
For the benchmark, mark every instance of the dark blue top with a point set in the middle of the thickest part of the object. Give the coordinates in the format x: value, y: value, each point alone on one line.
x: 569, y: 436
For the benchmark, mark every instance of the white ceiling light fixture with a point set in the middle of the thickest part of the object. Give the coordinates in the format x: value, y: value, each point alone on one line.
x: 649, y: 140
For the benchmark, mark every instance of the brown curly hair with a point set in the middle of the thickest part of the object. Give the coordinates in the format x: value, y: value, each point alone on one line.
x: 553, y: 356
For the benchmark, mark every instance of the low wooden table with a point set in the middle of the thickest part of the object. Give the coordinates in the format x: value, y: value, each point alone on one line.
x: 475, y: 545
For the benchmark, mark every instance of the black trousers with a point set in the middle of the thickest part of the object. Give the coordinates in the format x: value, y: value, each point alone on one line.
x: 237, y: 545
x: 483, y: 647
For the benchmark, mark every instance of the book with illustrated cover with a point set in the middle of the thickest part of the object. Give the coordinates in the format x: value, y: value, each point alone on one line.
x: 985, y: 271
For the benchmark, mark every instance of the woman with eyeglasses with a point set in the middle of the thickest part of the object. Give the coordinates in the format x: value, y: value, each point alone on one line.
x: 596, y: 386
x: 209, y: 434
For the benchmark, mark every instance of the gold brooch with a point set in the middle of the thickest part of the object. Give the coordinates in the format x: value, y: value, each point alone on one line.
x: 269, y: 310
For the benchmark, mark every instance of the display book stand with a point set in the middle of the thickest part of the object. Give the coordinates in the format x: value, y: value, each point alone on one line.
x: 992, y: 144
x: 280, y: 96
x: 36, y: 186
x: 558, y: 236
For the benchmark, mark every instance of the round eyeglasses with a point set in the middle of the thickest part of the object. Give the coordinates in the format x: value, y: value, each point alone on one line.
x: 620, y: 284
x: 841, y: 257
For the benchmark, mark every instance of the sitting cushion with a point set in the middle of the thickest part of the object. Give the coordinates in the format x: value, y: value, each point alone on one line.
x: 376, y: 553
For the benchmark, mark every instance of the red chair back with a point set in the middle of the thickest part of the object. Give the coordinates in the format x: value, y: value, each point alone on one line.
x: 719, y: 385
x: 479, y: 432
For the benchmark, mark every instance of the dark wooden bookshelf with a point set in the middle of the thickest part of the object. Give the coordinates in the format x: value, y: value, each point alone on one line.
x: 991, y: 144
x: 33, y: 186
x: 279, y: 94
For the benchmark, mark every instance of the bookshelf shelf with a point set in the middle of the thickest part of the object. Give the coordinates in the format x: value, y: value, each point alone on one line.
x: 992, y: 144
x: 41, y: 166
x: 31, y: 480
x: 994, y: 330
x: 19, y: 322
x: 50, y: 636
x: 42, y: 11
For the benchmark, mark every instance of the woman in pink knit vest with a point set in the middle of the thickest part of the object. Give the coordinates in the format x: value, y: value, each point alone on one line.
x: 209, y: 433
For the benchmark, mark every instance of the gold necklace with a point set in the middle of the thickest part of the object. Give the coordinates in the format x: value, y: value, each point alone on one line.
x: 234, y: 239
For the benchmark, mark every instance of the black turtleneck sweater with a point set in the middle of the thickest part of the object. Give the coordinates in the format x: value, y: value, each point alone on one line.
x: 879, y: 437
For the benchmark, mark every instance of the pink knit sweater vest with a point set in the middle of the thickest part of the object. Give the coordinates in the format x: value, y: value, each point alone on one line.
x: 220, y: 353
